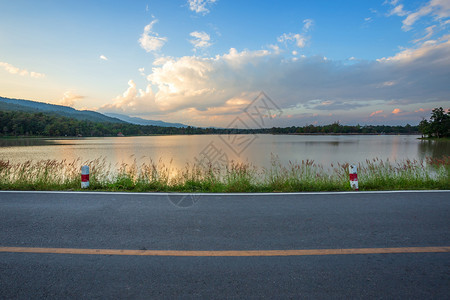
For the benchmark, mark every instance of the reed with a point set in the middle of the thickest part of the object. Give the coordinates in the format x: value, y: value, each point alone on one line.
x: 158, y: 176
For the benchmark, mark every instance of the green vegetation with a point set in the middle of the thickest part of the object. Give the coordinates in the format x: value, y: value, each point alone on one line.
x: 158, y: 177
x: 438, y: 126
x: 7, y: 104
x: 337, y: 128
x: 19, y: 123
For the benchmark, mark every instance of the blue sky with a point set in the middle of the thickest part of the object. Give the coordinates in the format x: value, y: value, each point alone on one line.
x: 202, y: 62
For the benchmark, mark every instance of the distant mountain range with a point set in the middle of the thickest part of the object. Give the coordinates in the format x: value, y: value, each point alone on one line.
x: 140, y: 121
x: 69, y: 112
x: 9, y: 104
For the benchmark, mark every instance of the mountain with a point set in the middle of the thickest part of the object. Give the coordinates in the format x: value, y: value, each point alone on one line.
x: 69, y: 112
x: 140, y: 121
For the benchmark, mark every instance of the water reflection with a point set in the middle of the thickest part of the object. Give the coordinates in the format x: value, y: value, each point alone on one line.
x: 20, y: 142
x: 433, y: 148
x: 328, y: 143
x: 178, y: 150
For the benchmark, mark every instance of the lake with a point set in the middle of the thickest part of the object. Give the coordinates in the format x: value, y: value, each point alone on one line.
x: 256, y: 149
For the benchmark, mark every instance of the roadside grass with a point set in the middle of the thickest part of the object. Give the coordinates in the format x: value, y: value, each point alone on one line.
x: 304, y: 176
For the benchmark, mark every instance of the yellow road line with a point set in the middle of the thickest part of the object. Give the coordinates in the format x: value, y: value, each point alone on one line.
x: 225, y: 252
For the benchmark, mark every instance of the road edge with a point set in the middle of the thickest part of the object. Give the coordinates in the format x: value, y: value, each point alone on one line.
x: 222, y: 194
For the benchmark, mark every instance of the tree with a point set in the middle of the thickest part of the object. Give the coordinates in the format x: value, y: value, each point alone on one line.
x: 424, y: 128
x: 439, y: 124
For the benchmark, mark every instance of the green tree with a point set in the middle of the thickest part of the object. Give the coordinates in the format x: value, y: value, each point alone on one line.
x: 424, y: 128
x: 439, y: 124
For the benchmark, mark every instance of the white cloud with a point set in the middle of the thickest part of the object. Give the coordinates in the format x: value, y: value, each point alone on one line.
x: 200, y: 6
x: 203, y: 89
x: 274, y: 48
x: 298, y: 39
x: 413, y: 17
x: 238, y: 60
x: 440, y: 9
x: 70, y: 98
x: 103, y: 57
x: 429, y: 33
x: 434, y: 13
x: 150, y: 41
x: 392, y: 2
x: 398, y: 11
x: 22, y: 72
x: 201, y: 39
x: 307, y: 24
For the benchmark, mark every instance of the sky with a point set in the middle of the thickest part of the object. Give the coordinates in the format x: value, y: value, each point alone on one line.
x: 207, y: 62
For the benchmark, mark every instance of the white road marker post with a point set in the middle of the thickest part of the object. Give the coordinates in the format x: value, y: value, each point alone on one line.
x: 84, y: 177
x: 353, y: 177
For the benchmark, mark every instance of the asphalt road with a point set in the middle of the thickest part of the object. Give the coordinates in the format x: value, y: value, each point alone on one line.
x: 225, y: 222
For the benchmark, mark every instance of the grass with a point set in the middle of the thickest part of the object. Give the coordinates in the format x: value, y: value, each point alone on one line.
x: 306, y: 175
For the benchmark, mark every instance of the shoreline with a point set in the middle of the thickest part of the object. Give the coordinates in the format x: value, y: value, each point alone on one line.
x: 209, y: 134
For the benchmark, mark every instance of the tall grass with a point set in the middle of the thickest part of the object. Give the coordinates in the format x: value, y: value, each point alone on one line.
x: 157, y: 176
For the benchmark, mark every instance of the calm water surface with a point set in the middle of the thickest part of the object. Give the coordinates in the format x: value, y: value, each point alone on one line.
x: 255, y: 149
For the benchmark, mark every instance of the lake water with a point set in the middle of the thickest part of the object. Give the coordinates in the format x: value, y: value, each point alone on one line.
x: 255, y: 149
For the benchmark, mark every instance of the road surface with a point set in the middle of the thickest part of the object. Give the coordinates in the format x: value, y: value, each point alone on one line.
x: 324, y: 245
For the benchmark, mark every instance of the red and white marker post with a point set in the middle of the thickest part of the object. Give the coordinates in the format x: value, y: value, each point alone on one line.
x: 353, y: 177
x: 84, y: 177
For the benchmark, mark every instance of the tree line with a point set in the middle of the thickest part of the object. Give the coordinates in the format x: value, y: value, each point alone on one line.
x: 337, y: 128
x: 18, y: 123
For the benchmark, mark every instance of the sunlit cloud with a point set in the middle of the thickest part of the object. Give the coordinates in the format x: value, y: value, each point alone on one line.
x: 208, y: 87
x: 376, y: 113
x: 132, y: 100
x: 142, y: 71
x: 440, y: 47
x: 17, y: 71
x: 70, y: 98
x: 149, y: 40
